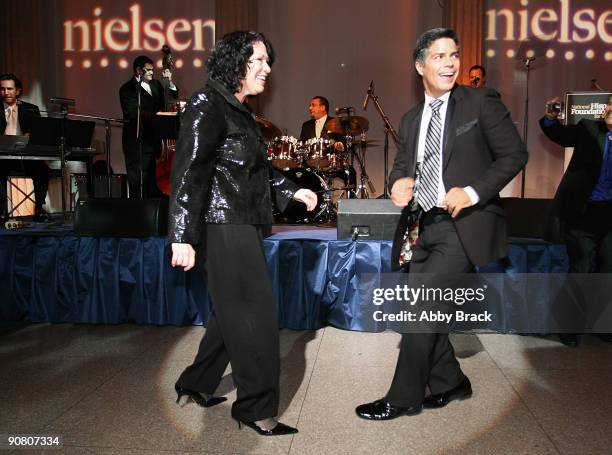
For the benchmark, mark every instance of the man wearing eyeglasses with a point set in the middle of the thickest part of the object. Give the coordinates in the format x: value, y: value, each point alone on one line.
x: 152, y: 100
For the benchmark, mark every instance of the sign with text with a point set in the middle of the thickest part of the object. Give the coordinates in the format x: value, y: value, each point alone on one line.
x: 589, y: 105
x: 105, y: 34
x: 572, y: 29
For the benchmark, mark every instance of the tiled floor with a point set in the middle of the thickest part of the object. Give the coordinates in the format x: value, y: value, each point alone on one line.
x: 109, y: 389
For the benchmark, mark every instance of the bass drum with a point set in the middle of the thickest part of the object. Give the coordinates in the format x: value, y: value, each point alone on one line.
x: 296, y: 211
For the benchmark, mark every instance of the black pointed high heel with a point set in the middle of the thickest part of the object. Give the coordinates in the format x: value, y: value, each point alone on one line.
x: 197, y: 397
x: 279, y: 430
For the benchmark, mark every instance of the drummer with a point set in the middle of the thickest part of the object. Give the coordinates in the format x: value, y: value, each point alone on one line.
x: 315, y: 127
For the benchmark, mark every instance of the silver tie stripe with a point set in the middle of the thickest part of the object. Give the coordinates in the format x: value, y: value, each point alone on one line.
x: 428, y: 187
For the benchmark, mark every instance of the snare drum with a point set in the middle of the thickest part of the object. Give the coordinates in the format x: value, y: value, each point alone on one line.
x: 284, y: 153
x: 296, y: 212
x: 320, y: 151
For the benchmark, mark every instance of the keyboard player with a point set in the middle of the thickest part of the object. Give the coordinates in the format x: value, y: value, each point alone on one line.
x: 17, y: 120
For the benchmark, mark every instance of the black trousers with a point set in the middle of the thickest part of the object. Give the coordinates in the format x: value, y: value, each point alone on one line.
x: 244, y: 328
x: 36, y: 169
x: 589, y: 240
x: 131, y: 154
x: 428, y: 359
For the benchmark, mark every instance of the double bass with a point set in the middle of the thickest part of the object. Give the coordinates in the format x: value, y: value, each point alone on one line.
x: 168, y: 126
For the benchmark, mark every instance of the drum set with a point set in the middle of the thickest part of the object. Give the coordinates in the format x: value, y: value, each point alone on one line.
x: 320, y: 165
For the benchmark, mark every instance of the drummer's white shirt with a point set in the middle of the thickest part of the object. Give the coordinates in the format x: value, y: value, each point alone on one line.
x: 319, y: 124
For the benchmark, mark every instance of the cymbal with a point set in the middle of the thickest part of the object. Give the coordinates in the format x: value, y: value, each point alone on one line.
x: 356, y: 124
x: 268, y: 129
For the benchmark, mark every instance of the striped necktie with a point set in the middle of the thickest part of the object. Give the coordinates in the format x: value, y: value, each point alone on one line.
x: 428, y: 187
x: 11, y: 121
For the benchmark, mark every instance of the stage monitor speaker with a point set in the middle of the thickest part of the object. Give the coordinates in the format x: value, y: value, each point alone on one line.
x: 530, y: 219
x: 121, y: 217
x: 367, y: 219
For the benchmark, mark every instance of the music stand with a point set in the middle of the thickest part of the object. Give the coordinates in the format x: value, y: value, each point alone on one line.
x: 50, y: 132
x: 47, y: 132
x: 107, y: 143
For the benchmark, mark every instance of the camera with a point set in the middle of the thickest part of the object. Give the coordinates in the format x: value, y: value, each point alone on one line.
x: 552, y: 108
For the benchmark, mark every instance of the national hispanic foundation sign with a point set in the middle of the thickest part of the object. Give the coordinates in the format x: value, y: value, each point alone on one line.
x: 585, y: 105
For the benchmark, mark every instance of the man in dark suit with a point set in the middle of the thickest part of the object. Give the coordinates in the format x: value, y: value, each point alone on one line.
x: 467, y: 149
x: 583, y: 202
x: 316, y: 127
x: 17, y: 120
x: 152, y: 101
x: 478, y: 76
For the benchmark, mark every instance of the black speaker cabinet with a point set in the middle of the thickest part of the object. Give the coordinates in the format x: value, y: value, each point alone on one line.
x: 121, y: 217
x: 367, y: 219
x: 530, y: 219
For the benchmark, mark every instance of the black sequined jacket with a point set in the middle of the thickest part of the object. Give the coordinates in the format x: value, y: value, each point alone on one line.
x: 221, y: 173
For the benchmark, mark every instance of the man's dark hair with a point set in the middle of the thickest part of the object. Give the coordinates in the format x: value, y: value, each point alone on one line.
x: 228, y: 62
x: 478, y: 67
x: 12, y: 77
x: 426, y: 39
x: 324, y: 101
x: 141, y: 61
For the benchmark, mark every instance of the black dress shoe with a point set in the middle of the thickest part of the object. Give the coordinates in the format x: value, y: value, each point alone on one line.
x: 569, y: 339
x: 461, y: 392
x: 383, y: 410
x: 279, y: 430
x: 206, y: 401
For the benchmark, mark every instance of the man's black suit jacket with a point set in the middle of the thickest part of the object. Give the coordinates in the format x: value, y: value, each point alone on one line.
x: 481, y: 149
x: 26, y: 112
x: 588, y: 139
x: 309, y: 131
x: 150, y: 105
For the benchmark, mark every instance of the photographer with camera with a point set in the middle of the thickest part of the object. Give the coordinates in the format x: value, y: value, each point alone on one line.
x: 583, y: 202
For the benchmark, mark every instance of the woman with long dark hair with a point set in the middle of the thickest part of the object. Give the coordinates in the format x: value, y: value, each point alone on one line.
x: 220, y: 200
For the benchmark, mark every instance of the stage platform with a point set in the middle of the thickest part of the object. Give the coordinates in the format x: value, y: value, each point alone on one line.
x: 48, y: 274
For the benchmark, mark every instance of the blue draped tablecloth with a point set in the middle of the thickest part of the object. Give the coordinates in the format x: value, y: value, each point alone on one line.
x: 66, y: 278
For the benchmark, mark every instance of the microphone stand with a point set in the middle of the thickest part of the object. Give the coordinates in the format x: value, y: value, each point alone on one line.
x: 107, y: 143
x: 64, y: 113
x: 64, y: 104
x: 527, y: 61
x: 388, y: 129
x: 596, y: 86
x: 139, y: 131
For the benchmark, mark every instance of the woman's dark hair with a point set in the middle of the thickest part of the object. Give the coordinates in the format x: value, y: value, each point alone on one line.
x: 229, y: 60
